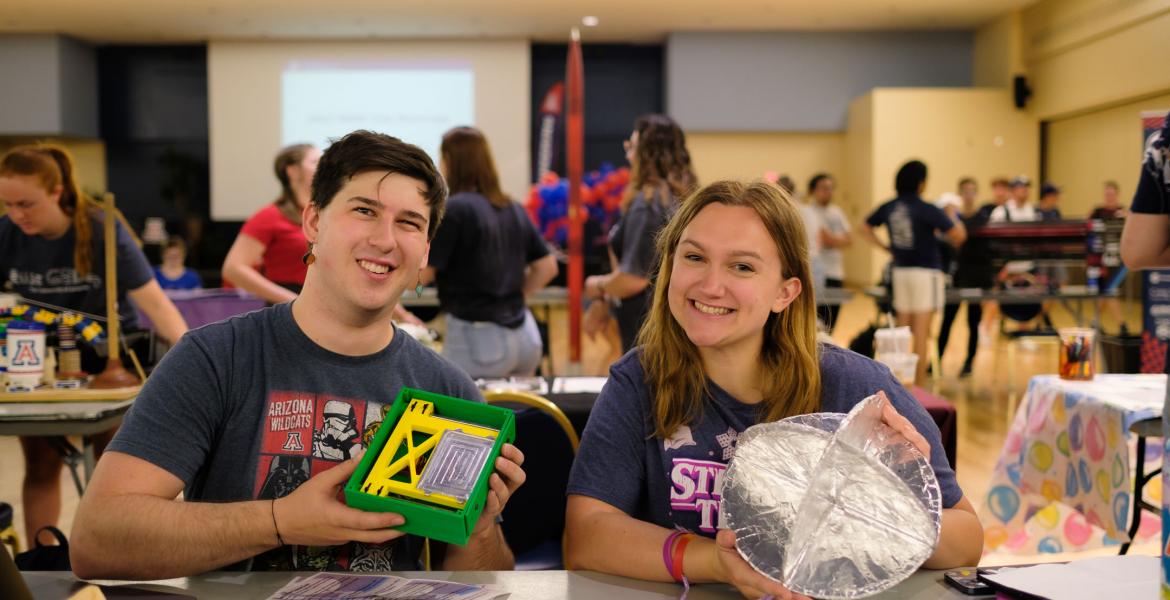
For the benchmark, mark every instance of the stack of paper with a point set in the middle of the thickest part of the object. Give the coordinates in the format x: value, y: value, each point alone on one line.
x: 1092, y: 578
x: 347, y: 586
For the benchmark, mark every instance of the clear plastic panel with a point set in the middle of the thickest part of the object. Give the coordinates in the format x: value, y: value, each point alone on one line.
x: 832, y: 505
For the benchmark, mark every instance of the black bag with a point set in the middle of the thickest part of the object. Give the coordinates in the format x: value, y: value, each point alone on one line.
x: 46, y: 558
x: 863, y: 343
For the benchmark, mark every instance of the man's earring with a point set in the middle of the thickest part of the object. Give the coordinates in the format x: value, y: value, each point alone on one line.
x: 309, y: 258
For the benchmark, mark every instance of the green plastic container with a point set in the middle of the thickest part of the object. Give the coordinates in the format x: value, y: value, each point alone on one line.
x: 429, y: 520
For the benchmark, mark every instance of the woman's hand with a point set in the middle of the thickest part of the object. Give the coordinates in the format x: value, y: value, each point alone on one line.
x: 594, y: 285
x: 596, y: 318
x: 733, y: 569
x: 903, y: 426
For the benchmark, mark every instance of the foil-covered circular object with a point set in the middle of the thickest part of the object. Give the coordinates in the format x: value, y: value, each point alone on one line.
x: 832, y: 505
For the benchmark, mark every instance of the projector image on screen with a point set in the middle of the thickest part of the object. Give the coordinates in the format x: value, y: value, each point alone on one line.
x: 321, y: 102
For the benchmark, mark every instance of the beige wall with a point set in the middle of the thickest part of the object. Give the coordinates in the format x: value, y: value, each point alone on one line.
x: 997, y: 53
x: 1083, y: 152
x: 1084, y: 55
x: 859, y: 153
x: 89, y: 158
x: 747, y: 156
x: 956, y: 132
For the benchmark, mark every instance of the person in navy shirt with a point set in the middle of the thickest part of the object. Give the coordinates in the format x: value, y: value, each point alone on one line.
x: 729, y: 342
x: 917, y: 276
x: 173, y: 274
x: 1145, y: 241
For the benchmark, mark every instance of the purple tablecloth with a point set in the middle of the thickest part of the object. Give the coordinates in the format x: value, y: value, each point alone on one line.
x: 200, y: 307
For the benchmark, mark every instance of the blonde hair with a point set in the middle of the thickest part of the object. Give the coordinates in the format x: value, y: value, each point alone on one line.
x: 789, y: 357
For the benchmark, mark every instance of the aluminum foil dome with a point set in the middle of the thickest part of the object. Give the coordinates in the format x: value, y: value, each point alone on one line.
x: 832, y: 505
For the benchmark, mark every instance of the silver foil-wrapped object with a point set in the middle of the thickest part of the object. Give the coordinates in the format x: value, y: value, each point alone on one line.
x: 832, y: 505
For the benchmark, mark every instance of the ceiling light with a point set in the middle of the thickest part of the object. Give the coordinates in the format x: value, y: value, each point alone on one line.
x: 590, y: 21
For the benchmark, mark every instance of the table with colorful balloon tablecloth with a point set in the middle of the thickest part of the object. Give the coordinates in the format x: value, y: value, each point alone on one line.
x: 1064, y: 479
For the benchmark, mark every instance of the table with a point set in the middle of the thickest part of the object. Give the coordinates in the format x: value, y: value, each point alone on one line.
x: 203, y: 306
x: 63, y: 416
x: 833, y: 296
x: 1067, y: 294
x: 575, y: 397
x: 551, y: 297
x: 523, y: 585
x: 546, y: 298
x: 1063, y: 479
x: 945, y: 416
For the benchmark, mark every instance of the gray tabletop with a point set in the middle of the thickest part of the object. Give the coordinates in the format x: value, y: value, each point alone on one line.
x: 523, y: 585
x: 955, y: 295
x: 559, y: 296
x: 61, y: 418
x: 549, y: 297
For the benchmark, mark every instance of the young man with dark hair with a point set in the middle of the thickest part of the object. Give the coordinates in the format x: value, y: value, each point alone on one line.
x: 260, y: 419
x: 1049, y: 208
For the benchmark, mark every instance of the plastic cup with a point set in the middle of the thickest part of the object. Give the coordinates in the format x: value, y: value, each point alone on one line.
x: 892, y: 340
x: 1076, y: 353
x: 26, y: 355
x: 904, y: 366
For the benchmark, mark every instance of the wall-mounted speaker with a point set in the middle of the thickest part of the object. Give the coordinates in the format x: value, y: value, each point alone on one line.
x: 1021, y: 91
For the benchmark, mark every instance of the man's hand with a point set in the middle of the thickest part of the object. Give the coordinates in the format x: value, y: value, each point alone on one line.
x: 507, y: 478
x: 314, y: 516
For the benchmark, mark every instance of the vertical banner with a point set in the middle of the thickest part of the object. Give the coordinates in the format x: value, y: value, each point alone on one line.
x: 551, y: 110
x: 1155, y: 283
x: 575, y: 165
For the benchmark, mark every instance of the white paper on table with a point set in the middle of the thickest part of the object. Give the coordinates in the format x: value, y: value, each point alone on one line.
x: 1135, y: 393
x: 1090, y: 578
x: 578, y: 385
x: 354, y: 586
x: 536, y: 385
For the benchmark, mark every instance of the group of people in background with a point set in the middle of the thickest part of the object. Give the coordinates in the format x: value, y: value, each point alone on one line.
x: 711, y: 288
x: 929, y: 254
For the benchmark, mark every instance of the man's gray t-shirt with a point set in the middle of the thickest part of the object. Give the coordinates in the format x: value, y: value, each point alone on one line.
x: 678, y: 482
x: 250, y: 408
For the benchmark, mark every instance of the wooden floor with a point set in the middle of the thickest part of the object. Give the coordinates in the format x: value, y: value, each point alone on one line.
x: 985, y: 403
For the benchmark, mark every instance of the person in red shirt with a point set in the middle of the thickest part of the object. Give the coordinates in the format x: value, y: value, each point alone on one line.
x: 265, y: 259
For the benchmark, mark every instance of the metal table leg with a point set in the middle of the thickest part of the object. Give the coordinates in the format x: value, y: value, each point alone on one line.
x: 74, y: 458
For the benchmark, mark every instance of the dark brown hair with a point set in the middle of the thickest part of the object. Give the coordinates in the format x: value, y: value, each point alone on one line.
x: 468, y: 165
x: 662, y: 165
x: 363, y: 151
x: 53, y: 166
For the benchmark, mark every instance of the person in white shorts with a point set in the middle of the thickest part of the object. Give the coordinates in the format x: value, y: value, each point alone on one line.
x: 918, y: 277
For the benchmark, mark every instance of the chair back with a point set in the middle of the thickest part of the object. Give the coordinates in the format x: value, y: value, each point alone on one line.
x: 534, y: 518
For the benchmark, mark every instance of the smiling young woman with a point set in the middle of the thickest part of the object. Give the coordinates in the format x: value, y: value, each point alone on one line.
x: 729, y: 342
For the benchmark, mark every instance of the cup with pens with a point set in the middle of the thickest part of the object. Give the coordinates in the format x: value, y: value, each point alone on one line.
x: 1076, y: 353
